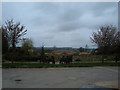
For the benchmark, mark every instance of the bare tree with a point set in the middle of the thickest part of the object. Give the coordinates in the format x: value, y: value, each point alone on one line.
x: 106, y: 38
x: 14, y: 31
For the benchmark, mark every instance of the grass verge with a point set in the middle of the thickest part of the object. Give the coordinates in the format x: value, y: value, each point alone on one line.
x: 38, y: 65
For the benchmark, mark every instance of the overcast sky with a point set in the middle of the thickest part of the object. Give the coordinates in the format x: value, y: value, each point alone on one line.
x: 63, y: 24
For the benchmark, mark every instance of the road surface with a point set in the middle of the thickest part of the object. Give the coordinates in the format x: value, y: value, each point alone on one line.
x: 60, y: 77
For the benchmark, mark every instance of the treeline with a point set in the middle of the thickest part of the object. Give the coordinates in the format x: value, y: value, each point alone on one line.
x: 107, y: 40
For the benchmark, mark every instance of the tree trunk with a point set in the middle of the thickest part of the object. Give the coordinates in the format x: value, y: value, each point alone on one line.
x: 13, y: 45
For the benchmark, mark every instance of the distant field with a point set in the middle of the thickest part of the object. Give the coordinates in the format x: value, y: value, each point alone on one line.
x: 60, y: 52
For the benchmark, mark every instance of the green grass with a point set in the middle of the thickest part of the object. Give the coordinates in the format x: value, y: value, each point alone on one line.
x: 36, y: 65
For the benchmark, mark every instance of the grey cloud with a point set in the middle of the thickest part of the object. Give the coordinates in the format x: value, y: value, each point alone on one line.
x: 71, y: 26
x: 62, y: 23
x: 70, y: 15
x: 48, y: 8
x: 60, y: 14
x: 100, y: 8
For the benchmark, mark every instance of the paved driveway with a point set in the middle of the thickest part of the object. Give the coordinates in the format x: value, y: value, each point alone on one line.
x: 60, y: 77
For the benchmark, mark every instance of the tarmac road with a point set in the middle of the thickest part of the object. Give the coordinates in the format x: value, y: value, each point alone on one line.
x: 60, y: 77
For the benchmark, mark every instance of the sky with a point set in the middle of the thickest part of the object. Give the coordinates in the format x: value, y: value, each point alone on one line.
x: 61, y: 24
